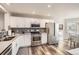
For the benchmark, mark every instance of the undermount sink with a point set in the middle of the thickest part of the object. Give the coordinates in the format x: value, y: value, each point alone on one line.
x: 8, y: 38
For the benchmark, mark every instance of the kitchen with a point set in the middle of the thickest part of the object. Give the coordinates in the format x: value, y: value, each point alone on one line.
x: 22, y: 30
x: 39, y: 29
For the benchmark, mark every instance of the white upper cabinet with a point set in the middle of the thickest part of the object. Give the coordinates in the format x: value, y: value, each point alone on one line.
x: 12, y: 22
x: 27, y: 22
x: 19, y: 22
x: 35, y: 21
x: 42, y: 23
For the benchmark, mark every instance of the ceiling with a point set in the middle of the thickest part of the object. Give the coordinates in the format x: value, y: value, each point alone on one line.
x: 45, y: 9
x: 29, y: 8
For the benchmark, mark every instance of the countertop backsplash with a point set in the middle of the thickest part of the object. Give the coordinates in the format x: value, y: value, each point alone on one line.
x: 27, y: 30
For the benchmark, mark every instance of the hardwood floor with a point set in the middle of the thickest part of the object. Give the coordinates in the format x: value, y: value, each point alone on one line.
x: 40, y: 50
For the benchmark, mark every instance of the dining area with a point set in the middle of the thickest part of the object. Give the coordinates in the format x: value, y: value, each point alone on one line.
x: 73, y: 45
x: 73, y: 41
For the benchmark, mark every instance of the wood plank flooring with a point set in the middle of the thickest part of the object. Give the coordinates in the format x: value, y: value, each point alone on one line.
x: 40, y: 50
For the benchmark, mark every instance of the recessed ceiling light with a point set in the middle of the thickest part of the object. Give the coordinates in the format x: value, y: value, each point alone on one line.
x: 33, y: 12
x: 49, y: 6
x: 49, y: 15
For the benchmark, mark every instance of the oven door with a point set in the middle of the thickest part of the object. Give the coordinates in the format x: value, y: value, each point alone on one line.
x: 36, y: 40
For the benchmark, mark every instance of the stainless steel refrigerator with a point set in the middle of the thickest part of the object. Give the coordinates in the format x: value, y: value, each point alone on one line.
x: 50, y: 29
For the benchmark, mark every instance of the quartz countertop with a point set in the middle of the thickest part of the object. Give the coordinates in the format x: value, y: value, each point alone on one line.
x: 4, y: 45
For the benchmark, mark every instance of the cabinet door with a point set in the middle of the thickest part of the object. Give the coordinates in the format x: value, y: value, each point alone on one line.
x: 17, y: 21
x: 14, y: 48
x: 42, y: 24
x: 24, y: 40
x: 12, y: 21
x: 21, y: 41
x: 44, y: 38
x: 27, y: 22
x: 28, y: 40
x: 17, y: 44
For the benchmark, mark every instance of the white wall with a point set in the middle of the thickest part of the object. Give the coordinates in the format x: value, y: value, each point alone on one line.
x: 1, y: 21
x: 6, y: 20
x: 62, y: 12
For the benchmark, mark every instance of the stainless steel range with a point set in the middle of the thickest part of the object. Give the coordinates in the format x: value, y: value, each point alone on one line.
x: 36, y: 36
x: 36, y: 39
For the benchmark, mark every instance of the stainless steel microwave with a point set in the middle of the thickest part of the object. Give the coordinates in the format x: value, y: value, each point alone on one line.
x: 35, y: 25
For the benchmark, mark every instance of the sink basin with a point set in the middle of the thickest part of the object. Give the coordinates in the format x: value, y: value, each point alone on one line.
x: 9, y: 38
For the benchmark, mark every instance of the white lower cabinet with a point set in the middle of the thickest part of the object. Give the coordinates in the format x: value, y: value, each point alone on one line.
x: 16, y: 44
x: 28, y: 40
x: 43, y: 38
x: 21, y: 41
x: 14, y: 47
x: 25, y: 40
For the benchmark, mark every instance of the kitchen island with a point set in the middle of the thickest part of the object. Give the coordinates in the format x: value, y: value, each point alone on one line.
x: 21, y: 40
x: 5, y: 44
